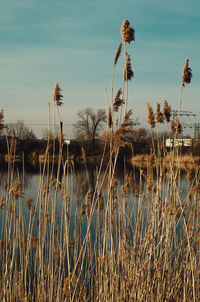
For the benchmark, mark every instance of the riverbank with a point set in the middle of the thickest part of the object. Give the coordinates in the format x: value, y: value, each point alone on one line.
x: 143, y: 160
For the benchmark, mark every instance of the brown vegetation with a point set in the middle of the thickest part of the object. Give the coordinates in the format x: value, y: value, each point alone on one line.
x: 90, y: 237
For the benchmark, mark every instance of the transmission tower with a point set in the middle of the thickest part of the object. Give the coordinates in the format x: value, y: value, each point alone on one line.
x: 195, y: 126
x: 175, y: 113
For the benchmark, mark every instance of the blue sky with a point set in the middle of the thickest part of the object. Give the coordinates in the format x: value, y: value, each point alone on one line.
x: 73, y: 43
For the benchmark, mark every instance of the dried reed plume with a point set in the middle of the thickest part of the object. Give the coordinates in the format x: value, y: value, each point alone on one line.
x: 178, y: 126
x: 173, y: 126
x: 114, y: 184
x: 16, y: 189
x: 128, y: 73
x: 22, y: 240
x: 195, y: 189
x: 29, y: 203
x: 33, y: 211
x: 66, y: 287
x: 2, y: 202
x: 149, y: 182
x: 57, y: 96
x: 187, y: 73
x: 159, y: 114
x: 34, y: 241
x: 83, y: 210
x: 118, y: 101
x: 118, y: 52
x: 21, y: 290
x: 88, y: 197
x: 12, y: 147
x: 166, y: 111
x: 110, y: 120
x: 127, y: 32
x: 1, y: 120
x: 151, y: 116
x: 122, y: 135
x: 124, y: 190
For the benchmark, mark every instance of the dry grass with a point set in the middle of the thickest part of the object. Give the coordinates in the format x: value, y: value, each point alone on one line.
x: 184, y: 161
x: 92, y: 238
x: 131, y: 241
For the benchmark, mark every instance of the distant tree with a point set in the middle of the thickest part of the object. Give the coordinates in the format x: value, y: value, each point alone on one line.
x: 20, y: 131
x: 89, y: 123
x: 141, y: 135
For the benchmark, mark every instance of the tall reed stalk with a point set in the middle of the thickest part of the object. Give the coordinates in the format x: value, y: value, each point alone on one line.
x: 130, y: 238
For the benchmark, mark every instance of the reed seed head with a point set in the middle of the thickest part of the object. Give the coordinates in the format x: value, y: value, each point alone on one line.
x: 149, y: 182
x: 29, y: 203
x: 123, y: 134
x: 66, y: 287
x: 118, y: 101
x: 151, y: 116
x: 114, y: 184
x: 195, y: 189
x: 159, y: 114
x: 83, y: 210
x: 2, y: 202
x: 88, y: 197
x: 166, y: 111
x: 34, y: 241
x: 21, y: 290
x: 179, y: 128
x: 187, y: 73
x: 173, y: 126
x: 127, y: 32
x: 118, y: 52
x: 22, y: 240
x: 12, y: 147
x: 57, y: 96
x: 128, y: 73
x: 16, y: 189
x: 110, y: 120
x: 1, y: 120
x: 124, y: 190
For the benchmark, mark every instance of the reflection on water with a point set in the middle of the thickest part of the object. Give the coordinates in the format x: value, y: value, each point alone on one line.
x: 73, y: 223
x: 38, y: 188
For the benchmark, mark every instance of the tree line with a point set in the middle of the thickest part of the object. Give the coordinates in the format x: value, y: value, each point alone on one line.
x: 89, y: 132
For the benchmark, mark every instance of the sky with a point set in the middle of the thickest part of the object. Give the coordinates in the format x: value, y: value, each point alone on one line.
x: 74, y: 42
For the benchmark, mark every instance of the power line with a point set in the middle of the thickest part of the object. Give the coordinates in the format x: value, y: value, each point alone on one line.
x: 41, y: 124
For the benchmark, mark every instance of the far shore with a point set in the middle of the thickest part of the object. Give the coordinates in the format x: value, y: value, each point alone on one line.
x: 140, y: 160
x: 182, y: 161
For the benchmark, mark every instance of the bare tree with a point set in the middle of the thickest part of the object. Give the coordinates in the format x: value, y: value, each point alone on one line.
x: 20, y: 131
x: 141, y: 135
x: 89, y: 124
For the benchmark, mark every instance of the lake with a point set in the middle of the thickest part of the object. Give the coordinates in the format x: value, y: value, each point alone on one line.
x: 79, y: 232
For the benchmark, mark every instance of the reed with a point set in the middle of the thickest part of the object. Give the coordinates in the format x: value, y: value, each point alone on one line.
x: 90, y: 235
